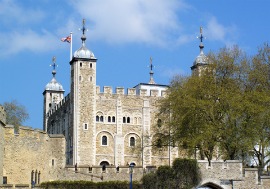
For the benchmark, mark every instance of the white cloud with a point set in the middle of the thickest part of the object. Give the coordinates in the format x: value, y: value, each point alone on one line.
x: 218, y: 32
x: 16, y: 42
x: 13, y: 13
x: 149, y: 21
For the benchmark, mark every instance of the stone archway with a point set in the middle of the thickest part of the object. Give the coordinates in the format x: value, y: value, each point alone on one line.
x: 209, y: 185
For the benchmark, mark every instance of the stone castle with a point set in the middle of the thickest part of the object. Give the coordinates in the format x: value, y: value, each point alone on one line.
x: 94, y: 135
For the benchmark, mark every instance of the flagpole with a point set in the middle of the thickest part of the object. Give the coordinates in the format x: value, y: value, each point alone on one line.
x: 70, y: 46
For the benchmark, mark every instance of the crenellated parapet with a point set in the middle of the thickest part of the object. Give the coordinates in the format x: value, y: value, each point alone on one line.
x: 131, y: 91
x: 2, y: 115
x: 61, y: 104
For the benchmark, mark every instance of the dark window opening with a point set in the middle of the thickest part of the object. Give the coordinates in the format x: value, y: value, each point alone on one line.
x: 124, y: 120
x: 132, y: 141
x: 109, y: 118
x: 4, y: 180
x: 50, y: 105
x: 159, y: 123
x: 101, y: 118
x: 104, y: 141
x: 52, y: 162
x: 80, y: 64
x: 104, y: 164
x: 97, y: 118
x: 85, y: 126
x: 113, y: 119
x: 90, y: 65
x: 128, y: 119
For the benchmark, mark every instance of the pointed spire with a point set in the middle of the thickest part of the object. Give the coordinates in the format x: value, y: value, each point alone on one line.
x: 54, y: 65
x: 201, y: 37
x: 151, y: 72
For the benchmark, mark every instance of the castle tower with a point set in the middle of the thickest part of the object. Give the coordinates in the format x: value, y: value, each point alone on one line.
x: 83, y: 103
x: 52, y: 95
x: 201, y: 61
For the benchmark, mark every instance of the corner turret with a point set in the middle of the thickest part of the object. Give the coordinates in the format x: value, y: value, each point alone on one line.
x: 53, y: 94
x: 201, y: 60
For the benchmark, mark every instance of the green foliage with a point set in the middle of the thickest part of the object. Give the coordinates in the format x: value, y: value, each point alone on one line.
x: 184, y: 174
x: 16, y: 113
x: 226, y: 107
x: 187, y: 174
x: 89, y: 185
x: 149, y: 181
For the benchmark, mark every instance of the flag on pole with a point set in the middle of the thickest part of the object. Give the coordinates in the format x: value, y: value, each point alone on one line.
x: 66, y: 39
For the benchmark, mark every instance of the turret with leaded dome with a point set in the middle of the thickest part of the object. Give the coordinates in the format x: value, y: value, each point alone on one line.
x: 201, y: 60
x: 83, y: 52
x: 53, y: 94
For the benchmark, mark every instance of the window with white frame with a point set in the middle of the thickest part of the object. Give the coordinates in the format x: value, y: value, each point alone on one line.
x: 104, y: 140
x: 132, y: 141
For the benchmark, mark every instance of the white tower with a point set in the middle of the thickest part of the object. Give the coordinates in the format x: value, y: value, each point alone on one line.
x: 83, y: 103
x: 52, y: 94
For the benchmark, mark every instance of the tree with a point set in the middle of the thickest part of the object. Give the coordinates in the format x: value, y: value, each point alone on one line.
x: 226, y: 108
x: 187, y: 173
x: 183, y: 174
x: 16, y: 113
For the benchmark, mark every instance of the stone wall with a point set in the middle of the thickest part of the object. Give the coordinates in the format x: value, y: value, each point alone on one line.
x: 2, y: 115
x: 32, y: 155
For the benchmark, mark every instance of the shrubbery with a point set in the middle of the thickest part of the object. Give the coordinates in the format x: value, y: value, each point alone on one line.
x: 183, y: 174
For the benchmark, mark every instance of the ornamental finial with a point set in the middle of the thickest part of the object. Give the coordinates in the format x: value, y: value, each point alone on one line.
x: 201, y: 37
x: 54, y: 65
x: 83, y: 32
x: 151, y: 71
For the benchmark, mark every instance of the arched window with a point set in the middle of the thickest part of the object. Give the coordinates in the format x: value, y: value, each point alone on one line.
x: 101, y: 118
x: 97, y: 118
x: 128, y: 119
x: 124, y: 119
x: 109, y: 118
x: 104, y: 141
x: 132, y: 141
x: 90, y: 65
x: 113, y: 119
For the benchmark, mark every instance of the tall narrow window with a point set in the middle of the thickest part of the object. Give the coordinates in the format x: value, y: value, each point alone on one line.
x: 80, y: 64
x: 132, y: 141
x: 124, y: 119
x: 159, y: 123
x: 113, y: 119
x: 109, y: 119
x: 104, y: 141
x: 85, y: 126
x: 101, y: 118
x: 90, y: 65
x: 128, y: 119
x: 52, y: 162
x: 97, y: 118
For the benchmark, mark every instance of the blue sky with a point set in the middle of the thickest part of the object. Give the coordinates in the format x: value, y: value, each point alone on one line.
x: 123, y: 34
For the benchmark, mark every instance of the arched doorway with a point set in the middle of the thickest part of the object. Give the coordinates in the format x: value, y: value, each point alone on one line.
x: 209, y: 185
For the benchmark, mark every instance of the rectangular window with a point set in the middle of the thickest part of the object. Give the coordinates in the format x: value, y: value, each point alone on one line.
x: 85, y: 126
x: 4, y: 180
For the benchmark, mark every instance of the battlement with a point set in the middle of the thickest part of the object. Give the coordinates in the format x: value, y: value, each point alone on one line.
x: 130, y: 91
x: 59, y: 105
x: 2, y: 115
